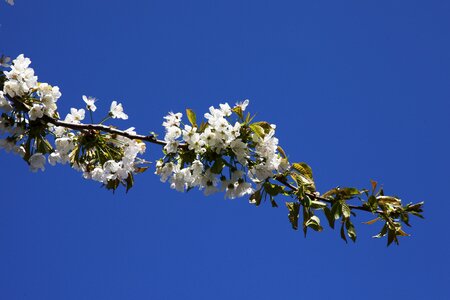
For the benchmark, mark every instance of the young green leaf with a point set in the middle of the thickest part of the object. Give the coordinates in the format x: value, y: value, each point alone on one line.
x: 329, y: 216
x: 314, y: 223
x: 351, y: 232
x: 294, y: 208
x: 343, y: 233
x: 191, y: 117
x: 303, y: 169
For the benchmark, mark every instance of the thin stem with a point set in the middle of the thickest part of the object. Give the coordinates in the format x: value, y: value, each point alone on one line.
x: 105, y: 119
x: 90, y: 114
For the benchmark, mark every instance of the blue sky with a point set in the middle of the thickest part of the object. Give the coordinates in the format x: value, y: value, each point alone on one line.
x: 359, y: 90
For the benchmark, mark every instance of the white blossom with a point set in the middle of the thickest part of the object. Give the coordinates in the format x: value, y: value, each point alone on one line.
x: 243, y: 105
x: 164, y: 170
x: 98, y: 174
x: 36, y: 112
x: 7, y: 145
x: 4, y: 61
x: 116, y: 111
x: 90, y: 103
x: 37, y: 162
x: 172, y: 119
x: 75, y: 115
x: 19, y: 150
x: 4, y: 103
x: 21, y: 79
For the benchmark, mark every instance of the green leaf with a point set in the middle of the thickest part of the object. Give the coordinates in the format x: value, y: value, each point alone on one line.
x: 272, y: 201
x: 303, y: 169
x: 314, y: 223
x: 294, y: 208
x: 238, y: 111
x: 371, y: 221
x: 336, y: 210
x: 318, y: 204
x: 140, y: 169
x: 249, y: 118
x: 130, y: 181
x: 405, y: 219
x: 273, y: 189
x: 306, y: 216
x: 392, y: 237
x: 383, y: 200
x: 373, y: 203
x: 255, y: 198
x: 374, y: 185
x: 217, y: 167
x: 346, y: 212
x: 258, y: 130
x: 203, y: 126
x: 303, y: 182
x: 329, y: 216
x: 349, y: 192
x: 282, y: 153
x: 343, y: 193
x: 351, y: 232
x: 343, y: 233
x: 265, y: 126
x: 191, y: 117
x: 307, y: 201
x: 382, y: 232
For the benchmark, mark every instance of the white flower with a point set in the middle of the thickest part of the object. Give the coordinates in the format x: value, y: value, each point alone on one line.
x: 172, y: 134
x: 172, y: 119
x: 10, y: 2
x: 214, y: 116
x: 164, y: 170
x: 53, y: 158
x: 75, y: 116
x: 59, y: 131
x: 192, y: 138
x: 241, y: 150
x: 4, y: 61
x: 226, y: 109
x: 64, y: 144
x: 48, y: 93
x: 171, y: 147
x: 19, y: 150
x: 243, y: 188
x: 4, y: 103
x: 37, y: 162
x: 90, y: 103
x: 180, y: 179
x: 243, y: 105
x: 7, y: 144
x: 21, y: 79
x: 98, y: 174
x: 36, y: 112
x: 116, y: 111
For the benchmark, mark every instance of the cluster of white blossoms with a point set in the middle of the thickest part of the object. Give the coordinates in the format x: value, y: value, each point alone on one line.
x: 225, y: 153
x: 21, y: 78
x: 219, y: 155
x: 24, y: 102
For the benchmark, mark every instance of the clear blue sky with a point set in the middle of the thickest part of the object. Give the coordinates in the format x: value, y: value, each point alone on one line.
x: 359, y: 90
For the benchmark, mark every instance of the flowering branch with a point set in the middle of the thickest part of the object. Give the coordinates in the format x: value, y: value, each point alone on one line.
x: 227, y: 152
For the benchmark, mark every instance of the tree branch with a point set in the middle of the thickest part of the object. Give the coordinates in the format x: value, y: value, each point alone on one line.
x: 99, y: 127
x: 154, y: 140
